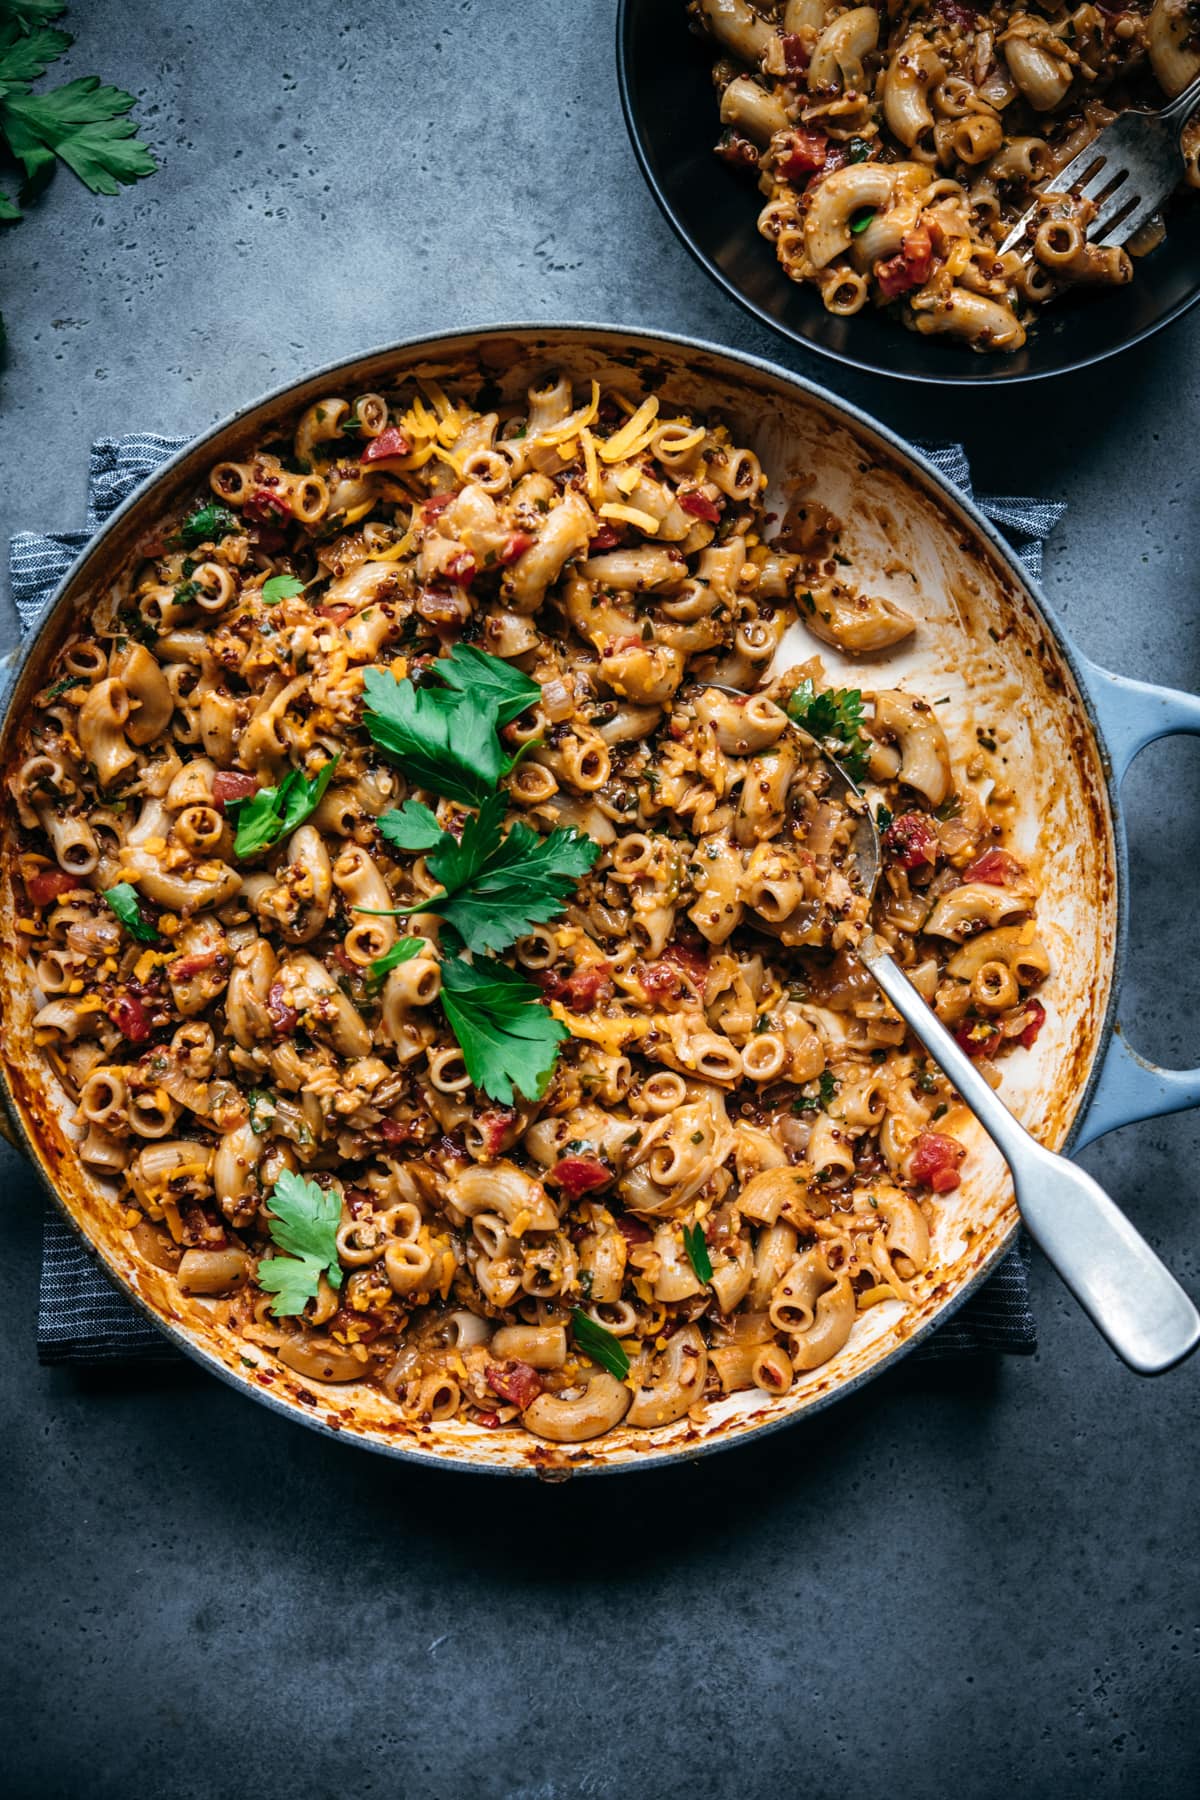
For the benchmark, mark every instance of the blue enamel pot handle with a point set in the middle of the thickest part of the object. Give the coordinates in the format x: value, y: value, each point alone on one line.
x: 1131, y: 715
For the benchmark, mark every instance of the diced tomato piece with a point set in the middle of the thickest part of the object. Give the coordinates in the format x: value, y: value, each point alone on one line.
x: 515, y: 547
x: 700, y: 506
x: 462, y: 568
x: 801, y: 154
x: 391, y: 442
x: 659, y: 978
x: 936, y: 1160
x: 267, y: 507
x: 579, y: 1175
x: 1037, y: 1018
x: 284, y: 1018
x: 606, y: 538
x: 911, y: 266
x: 130, y: 1018
x: 232, y: 784
x: 394, y: 1131
x: 436, y: 504
x: 978, y: 1037
x: 912, y: 841
x: 337, y: 613
x: 587, y: 987
x: 632, y: 1230
x: 796, y: 54
x: 515, y: 1382
x: 493, y: 1126
x: 489, y: 1420
x: 996, y: 867
x: 48, y: 884
x: 688, y: 957
x: 186, y: 966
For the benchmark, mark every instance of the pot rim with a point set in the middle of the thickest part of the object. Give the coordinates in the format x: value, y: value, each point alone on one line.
x: 954, y: 498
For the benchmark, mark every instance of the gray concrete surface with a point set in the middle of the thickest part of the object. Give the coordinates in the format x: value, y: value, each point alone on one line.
x: 979, y: 1582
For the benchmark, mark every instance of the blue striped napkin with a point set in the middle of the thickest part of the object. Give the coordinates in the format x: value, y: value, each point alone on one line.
x: 82, y: 1317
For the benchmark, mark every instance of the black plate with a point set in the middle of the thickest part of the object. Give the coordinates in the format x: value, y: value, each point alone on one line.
x: 671, y: 111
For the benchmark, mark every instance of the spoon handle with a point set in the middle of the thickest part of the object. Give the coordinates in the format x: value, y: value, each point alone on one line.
x: 1129, y: 1295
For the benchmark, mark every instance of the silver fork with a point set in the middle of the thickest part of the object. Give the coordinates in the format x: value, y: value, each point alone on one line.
x: 1127, y: 170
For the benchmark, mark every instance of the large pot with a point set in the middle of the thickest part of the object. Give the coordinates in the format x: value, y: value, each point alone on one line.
x: 989, y: 643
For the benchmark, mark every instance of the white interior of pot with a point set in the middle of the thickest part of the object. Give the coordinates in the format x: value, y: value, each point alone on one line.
x: 981, y: 653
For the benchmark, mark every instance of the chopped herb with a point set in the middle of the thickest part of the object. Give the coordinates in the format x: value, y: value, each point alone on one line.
x: 949, y: 809
x: 270, y: 814
x: 262, y: 1110
x: 61, y: 687
x: 303, y: 1220
x: 861, y: 220
x: 818, y: 1102
x: 697, y: 1251
x: 859, y: 150
x: 208, y: 525
x: 599, y: 1344
x: 126, y: 903
x: 883, y: 818
x: 939, y: 1112
x: 280, y: 587
x: 834, y: 713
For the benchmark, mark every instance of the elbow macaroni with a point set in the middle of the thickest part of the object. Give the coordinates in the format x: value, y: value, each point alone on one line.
x: 727, y: 1073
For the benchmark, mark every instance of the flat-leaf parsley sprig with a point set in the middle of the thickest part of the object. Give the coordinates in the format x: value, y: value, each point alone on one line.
x: 303, y: 1220
x: 445, y: 733
x: 833, y: 717
x: 494, y: 886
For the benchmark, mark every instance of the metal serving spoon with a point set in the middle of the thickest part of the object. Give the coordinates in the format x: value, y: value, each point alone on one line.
x: 1130, y: 1296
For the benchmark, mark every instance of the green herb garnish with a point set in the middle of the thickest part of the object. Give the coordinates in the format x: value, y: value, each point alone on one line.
x: 303, y: 1220
x: 402, y: 951
x: 494, y: 888
x: 818, y: 1102
x: 265, y: 817
x: 446, y: 737
x: 834, y: 713
x: 861, y: 220
x: 509, y: 1040
x: 280, y: 587
x: 208, y: 524
x: 599, y: 1344
x: 697, y: 1251
x: 126, y: 903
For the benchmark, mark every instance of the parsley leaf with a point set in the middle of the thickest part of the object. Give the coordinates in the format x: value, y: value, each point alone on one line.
x: 81, y: 123
x: 412, y: 827
x: 835, y: 713
x: 507, y: 1037
x: 402, y: 951
x: 303, y: 1220
x: 26, y: 53
x: 280, y: 587
x: 208, y: 525
x: 494, y: 887
x: 265, y: 817
x: 697, y: 1251
x: 861, y: 220
x: 599, y: 1344
x: 446, y: 737
x: 126, y: 903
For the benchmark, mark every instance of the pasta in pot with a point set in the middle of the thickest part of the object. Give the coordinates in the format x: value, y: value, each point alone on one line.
x: 253, y: 949
x: 896, y: 146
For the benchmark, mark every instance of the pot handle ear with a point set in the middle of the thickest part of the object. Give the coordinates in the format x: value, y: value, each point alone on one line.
x: 1133, y: 714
